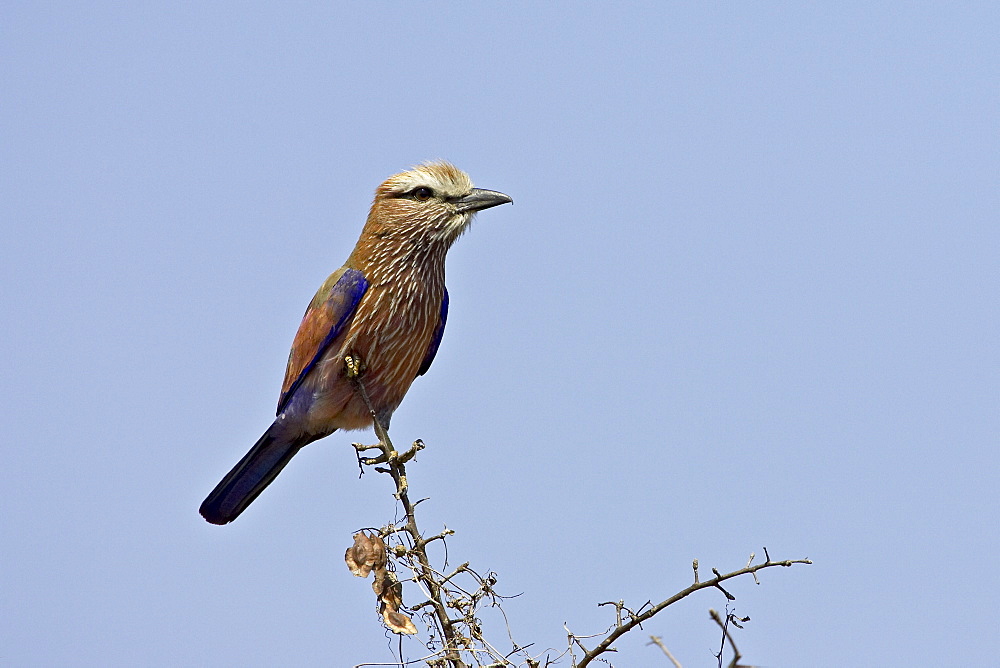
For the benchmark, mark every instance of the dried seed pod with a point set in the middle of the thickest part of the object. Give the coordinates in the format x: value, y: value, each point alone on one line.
x: 367, y: 553
x: 398, y: 622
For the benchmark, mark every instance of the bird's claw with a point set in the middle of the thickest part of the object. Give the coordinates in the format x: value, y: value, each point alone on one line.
x: 355, y: 366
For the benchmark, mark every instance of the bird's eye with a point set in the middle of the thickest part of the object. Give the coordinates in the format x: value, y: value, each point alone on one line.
x: 422, y: 194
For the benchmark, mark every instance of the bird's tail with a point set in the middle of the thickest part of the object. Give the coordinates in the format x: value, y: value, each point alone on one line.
x: 252, y: 474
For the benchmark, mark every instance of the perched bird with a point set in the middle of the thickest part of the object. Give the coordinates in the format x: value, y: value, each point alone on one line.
x: 386, y: 307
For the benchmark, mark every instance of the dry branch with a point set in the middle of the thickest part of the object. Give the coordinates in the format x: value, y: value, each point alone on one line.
x: 450, y: 607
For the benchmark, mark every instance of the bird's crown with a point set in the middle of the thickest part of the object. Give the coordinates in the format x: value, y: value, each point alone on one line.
x: 441, y: 178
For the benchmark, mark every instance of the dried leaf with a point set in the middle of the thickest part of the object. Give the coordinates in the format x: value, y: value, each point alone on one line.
x: 368, y: 552
x: 398, y: 622
x: 388, y: 589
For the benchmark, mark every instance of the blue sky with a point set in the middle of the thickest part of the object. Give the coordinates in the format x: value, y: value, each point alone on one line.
x: 746, y: 296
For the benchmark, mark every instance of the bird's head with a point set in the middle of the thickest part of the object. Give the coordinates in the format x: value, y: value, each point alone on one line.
x: 431, y: 203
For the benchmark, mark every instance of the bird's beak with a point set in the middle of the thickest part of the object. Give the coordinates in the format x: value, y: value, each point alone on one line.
x: 480, y: 199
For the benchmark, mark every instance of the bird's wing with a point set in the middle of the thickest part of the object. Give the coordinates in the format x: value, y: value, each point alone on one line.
x: 327, y: 315
x: 436, y: 339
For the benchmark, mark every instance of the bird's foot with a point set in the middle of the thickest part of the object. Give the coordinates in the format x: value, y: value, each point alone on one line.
x: 355, y: 366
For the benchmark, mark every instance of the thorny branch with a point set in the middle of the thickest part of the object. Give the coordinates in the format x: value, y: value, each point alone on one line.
x: 634, y: 620
x: 425, y: 574
x: 450, y: 610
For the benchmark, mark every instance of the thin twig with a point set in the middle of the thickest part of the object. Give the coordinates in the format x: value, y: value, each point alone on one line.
x: 656, y: 640
x: 730, y: 617
x: 622, y: 629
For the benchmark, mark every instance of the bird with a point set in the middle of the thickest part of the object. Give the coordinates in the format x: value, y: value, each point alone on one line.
x: 386, y: 308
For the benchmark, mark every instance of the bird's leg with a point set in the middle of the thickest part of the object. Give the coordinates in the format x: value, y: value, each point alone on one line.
x: 355, y: 368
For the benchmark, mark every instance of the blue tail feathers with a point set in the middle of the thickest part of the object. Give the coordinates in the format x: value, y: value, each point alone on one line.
x: 252, y: 474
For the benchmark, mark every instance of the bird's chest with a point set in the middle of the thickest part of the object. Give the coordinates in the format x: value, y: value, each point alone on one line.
x: 392, y: 330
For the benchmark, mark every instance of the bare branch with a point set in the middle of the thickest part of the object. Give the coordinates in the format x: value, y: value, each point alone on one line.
x: 623, y: 628
x: 452, y: 603
x: 656, y: 640
x: 730, y: 619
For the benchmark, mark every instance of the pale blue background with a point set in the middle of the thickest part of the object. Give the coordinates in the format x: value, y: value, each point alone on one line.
x: 747, y: 295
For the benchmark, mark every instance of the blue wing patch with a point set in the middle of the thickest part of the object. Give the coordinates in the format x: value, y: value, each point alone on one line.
x: 436, y: 339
